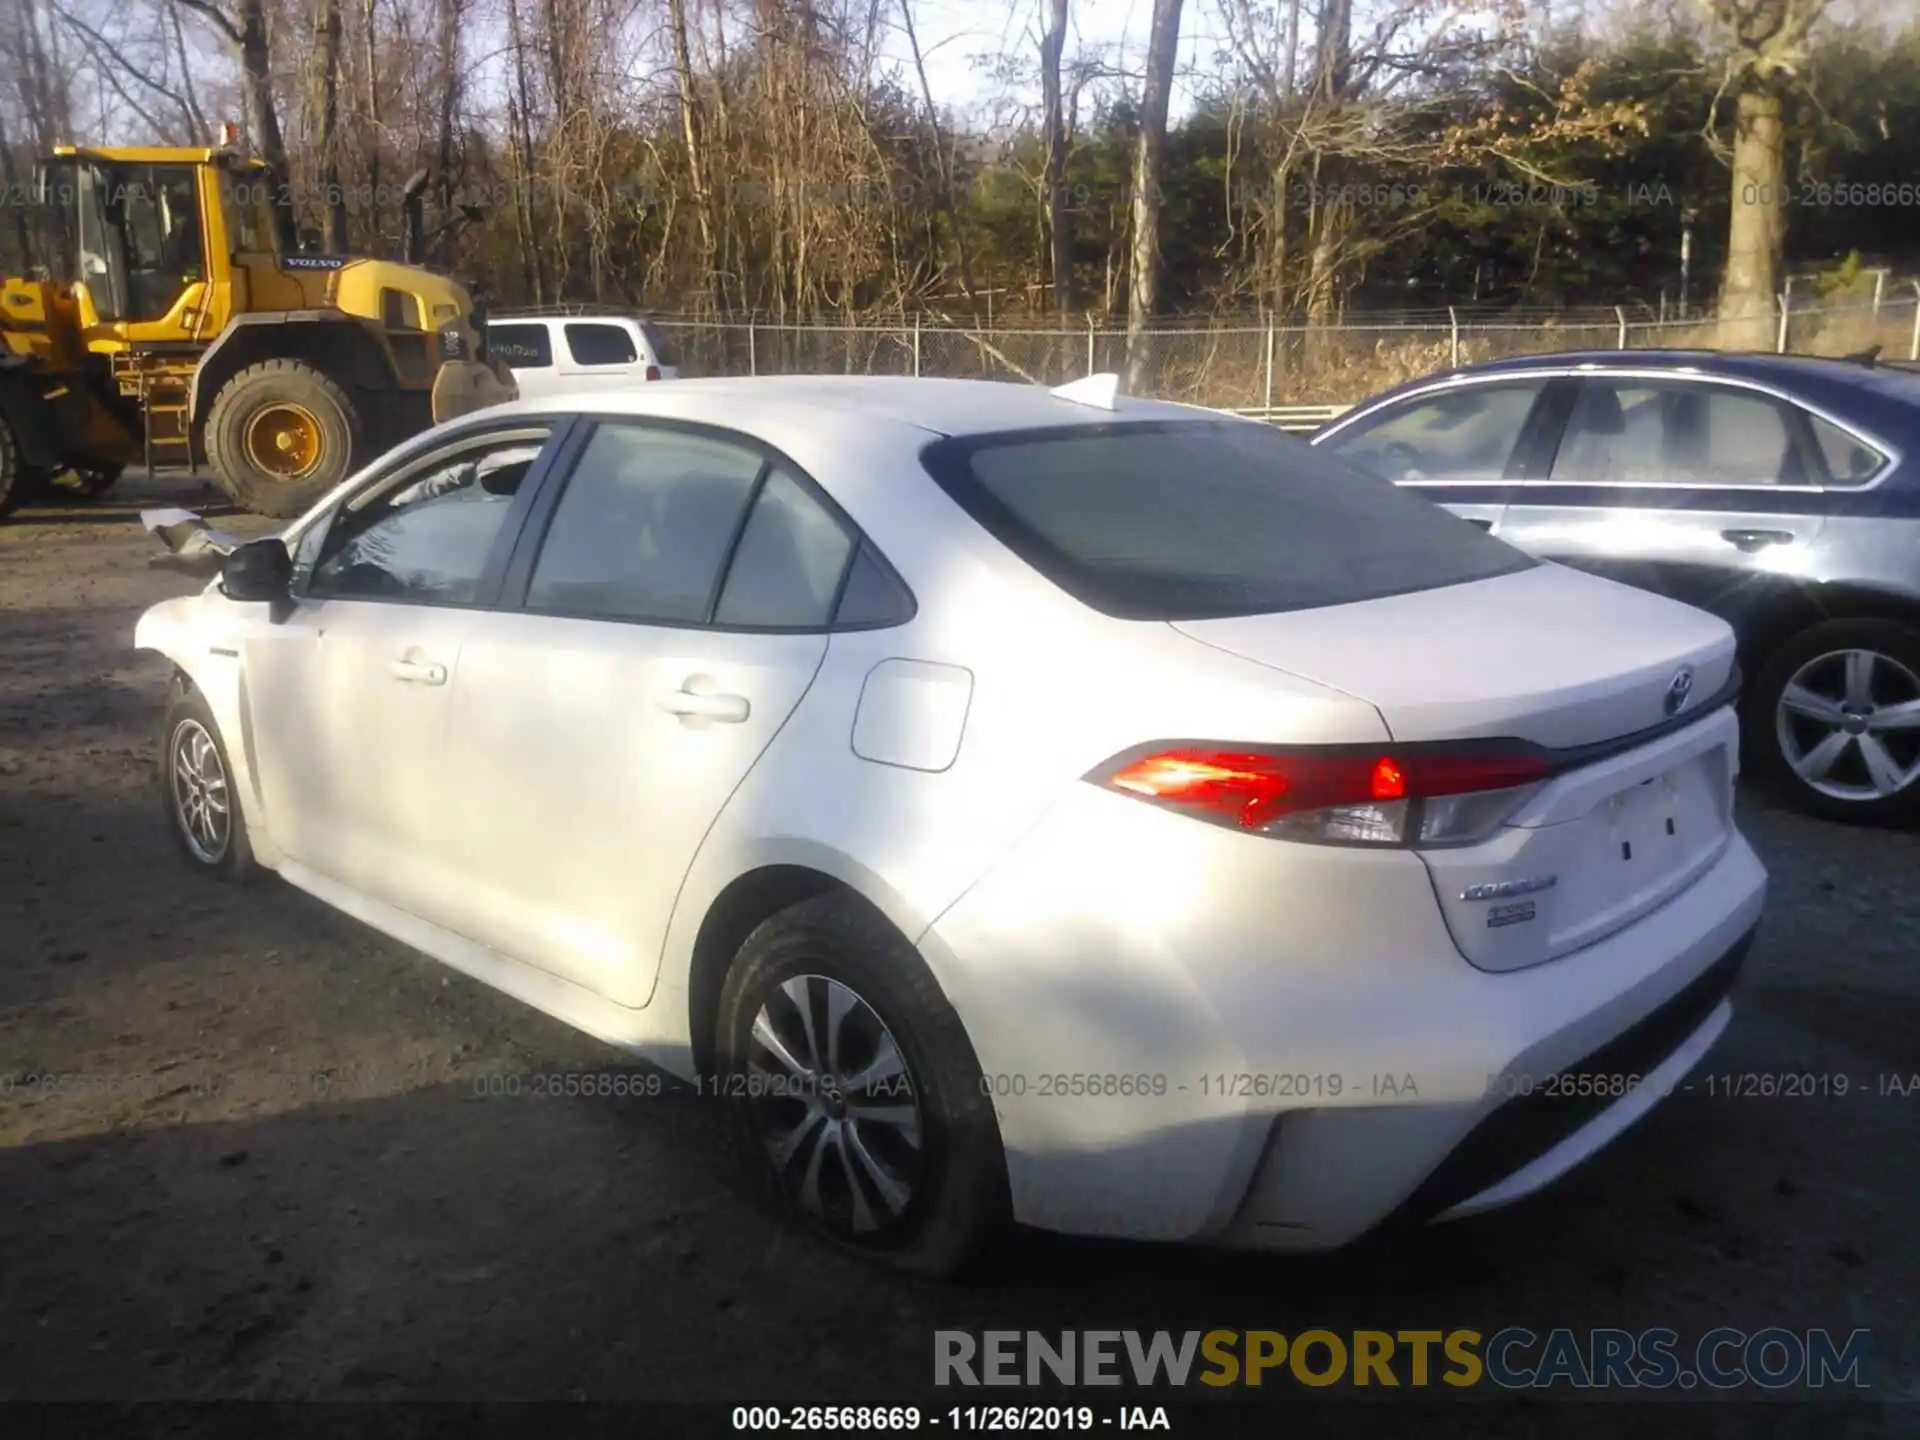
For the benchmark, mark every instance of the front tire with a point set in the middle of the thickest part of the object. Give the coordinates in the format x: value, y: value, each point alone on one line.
x: 197, y: 790
x: 280, y: 435
x: 856, y: 1092
x: 1835, y: 719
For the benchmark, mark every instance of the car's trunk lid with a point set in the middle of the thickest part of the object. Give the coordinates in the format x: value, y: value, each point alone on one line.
x: 1566, y: 661
x: 1548, y: 654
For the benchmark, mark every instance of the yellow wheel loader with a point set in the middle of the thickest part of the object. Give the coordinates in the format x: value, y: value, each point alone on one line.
x: 172, y: 323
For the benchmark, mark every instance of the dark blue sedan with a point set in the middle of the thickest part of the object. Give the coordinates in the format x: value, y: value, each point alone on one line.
x: 1779, y: 491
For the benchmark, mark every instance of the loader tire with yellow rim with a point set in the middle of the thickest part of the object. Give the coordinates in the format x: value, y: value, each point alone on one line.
x: 280, y: 435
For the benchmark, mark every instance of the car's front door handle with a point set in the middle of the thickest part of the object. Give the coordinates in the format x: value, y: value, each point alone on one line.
x: 1750, y: 541
x: 729, y: 709
x: 1482, y: 523
x: 417, y: 672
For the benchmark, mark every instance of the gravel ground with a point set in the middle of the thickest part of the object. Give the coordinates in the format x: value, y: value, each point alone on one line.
x: 269, y: 1175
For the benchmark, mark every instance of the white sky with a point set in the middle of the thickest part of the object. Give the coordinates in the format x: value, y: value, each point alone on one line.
x: 953, y: 33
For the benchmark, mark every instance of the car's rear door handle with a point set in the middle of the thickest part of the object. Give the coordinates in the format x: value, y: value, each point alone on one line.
x: 729, y: 709
x: 1750, y: 541
x: 418, y: 672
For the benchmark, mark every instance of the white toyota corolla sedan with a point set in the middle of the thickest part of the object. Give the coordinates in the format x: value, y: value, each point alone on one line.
x: 1030, y: 806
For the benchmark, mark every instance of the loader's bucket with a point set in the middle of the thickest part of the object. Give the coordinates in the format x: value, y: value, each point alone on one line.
x: 463, y: 386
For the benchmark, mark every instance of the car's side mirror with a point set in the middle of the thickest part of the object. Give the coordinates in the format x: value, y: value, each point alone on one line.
x: 260, y: 571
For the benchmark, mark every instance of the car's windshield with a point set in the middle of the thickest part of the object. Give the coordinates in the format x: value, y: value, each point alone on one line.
x: 1190, y: 520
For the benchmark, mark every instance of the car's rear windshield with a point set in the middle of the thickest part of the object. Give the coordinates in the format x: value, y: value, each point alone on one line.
x: 1190, y: 520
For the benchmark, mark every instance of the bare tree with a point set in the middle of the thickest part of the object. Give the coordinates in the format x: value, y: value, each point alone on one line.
x: 1143, y: 270
x: 42, y: 73
x: 1332, y: 91
x: 369, y: 120
x: 520, y: 141
x: 326, y: 63
x: 1769, y: 52
x: 245, y: 31
x: 452, y: 14
x: 1052, y: 44
x: 189, y: 96
x: 943, y: 157
x: 693, y: 130
x: 22, y: 232
x: 134, y: 52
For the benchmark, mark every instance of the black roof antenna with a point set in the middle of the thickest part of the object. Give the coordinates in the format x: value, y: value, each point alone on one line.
x: 1869, y: 357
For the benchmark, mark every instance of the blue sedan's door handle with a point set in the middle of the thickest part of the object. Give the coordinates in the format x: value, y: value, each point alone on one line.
x: 1751, y: 541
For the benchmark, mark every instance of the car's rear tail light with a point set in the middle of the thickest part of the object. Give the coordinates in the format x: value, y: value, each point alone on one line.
x: 1406, y: 795
x: 653, y: 372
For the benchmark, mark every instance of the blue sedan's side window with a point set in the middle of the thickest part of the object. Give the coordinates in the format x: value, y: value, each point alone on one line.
x: 1458, y: 436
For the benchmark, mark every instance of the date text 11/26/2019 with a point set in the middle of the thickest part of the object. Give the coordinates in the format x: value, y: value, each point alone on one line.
x: 879, y: 1419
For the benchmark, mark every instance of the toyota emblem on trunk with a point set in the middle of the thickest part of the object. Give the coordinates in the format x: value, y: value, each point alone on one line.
x: 1679, y: 689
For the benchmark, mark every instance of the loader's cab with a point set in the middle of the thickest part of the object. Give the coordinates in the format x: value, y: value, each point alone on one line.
x: 150, y: 237
x: 198, y: 326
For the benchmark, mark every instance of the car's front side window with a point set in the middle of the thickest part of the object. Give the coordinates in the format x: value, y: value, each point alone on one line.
x: 427, y: 536
x: 1463, y: 435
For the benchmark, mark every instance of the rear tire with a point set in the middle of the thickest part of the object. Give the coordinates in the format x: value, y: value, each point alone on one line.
x: 925, y: 1191
x: 280, y: 435
x: 18, y: 482
x: 197, y: 790
x: 1838, y: 684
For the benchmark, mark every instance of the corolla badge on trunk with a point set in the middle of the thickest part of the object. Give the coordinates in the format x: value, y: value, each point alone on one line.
x: 1507, y: 889
x: 1679, y: 690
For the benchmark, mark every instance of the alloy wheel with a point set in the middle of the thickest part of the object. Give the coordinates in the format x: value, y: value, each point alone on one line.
x: 834, y: 1104
x: 200, y: 796
x: 1849, y: 725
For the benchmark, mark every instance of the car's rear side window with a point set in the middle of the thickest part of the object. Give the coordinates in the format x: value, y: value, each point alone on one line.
x: 1186, y: 520
x: 644, y: 527
x: 1849, y: 461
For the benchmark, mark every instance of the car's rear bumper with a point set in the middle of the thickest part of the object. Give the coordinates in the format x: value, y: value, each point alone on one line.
x: 1187, y: 1041
x: 1540, y: 1126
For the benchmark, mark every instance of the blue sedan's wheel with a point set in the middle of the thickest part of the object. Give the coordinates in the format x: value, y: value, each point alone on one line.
x: 1836, y: 717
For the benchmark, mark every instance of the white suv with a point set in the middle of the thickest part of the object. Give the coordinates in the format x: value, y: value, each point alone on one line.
x: 554, y: 355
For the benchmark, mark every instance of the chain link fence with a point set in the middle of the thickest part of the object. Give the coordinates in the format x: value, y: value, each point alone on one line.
x: 1246, y: 365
